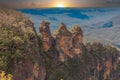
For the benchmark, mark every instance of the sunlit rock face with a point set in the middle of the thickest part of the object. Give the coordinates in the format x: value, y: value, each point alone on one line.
x: 77, y: 37
x: 63, y: 42
x: 68, y: 43
x: 77, y: 34
x: 92, y: 62
x: 46, y: 35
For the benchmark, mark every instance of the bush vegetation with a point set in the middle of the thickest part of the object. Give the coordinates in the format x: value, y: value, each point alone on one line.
x: 4, y: 76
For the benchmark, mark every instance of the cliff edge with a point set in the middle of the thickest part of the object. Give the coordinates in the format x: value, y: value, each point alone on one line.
x: 19, y: 49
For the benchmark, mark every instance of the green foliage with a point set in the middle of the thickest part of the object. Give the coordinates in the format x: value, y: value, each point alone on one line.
x: 39, y: 42
x: 3, y: 62
x: 32, y: 59
x: 15, y: 43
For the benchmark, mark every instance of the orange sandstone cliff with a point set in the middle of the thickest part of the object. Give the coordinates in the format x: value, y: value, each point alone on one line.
x: 80, y: 62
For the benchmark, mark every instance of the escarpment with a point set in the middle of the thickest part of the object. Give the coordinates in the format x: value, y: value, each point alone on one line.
x: 19, y: 49
x: 59, y: 56
x: 79, y: 61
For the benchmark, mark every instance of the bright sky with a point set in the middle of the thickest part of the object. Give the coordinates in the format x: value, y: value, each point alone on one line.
x: 57, y: 3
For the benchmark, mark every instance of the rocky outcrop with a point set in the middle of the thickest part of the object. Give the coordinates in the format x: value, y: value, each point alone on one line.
x: 19, y: 49
x: 46, y: 36
x: 80, y: 62
x: 63, y: 42
x: 77, y: 37
x: 69, y: 44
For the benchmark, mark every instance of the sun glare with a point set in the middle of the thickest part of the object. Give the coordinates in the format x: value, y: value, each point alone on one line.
x: 60, y: 5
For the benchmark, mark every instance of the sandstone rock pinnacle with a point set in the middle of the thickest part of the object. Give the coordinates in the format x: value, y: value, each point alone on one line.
x: 68, y: 44
x: 46, y: 35
x: 62, y: 30
x: 77, y: 33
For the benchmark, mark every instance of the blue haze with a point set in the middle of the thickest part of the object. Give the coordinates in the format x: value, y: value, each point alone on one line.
x: 98, y: 24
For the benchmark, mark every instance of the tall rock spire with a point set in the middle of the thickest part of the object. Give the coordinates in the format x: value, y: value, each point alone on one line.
x: 63, y: 42
x: 46, y: 35
x: 69, y: 44
x: 77, y: 33
x: 77, y: 37
x: 62, y: 30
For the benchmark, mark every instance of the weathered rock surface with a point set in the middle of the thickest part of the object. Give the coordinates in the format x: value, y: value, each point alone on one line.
x: 63, y: 42
x: 19, y: 49
x: 80, y: 62
x: 46, y: 36
x: 103, y: 62
x: 69, y: 44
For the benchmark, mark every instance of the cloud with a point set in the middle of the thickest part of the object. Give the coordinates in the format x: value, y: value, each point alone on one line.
x: 50, y: 3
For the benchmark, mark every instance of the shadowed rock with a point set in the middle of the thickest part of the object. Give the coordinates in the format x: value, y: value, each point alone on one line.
x: 46, y: 35
x: 77, y: 34
x: 68, y: 44
x: 77, y: 37
x: 63, y: 42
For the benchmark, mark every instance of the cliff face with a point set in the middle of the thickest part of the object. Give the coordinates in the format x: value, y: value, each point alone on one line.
x: 19, y: 49
x: 68, y: 44
x: 61, y: 56
x: 103, y: 63
x: 46, y: 36
x: 79, y: 61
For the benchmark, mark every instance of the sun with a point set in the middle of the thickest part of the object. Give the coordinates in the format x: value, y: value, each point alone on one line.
x: 60, y: 5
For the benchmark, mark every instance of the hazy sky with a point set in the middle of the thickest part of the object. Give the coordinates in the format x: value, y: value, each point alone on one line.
x: 54, y: 3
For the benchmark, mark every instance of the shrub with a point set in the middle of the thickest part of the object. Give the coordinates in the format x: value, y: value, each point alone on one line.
x: 4, y: 76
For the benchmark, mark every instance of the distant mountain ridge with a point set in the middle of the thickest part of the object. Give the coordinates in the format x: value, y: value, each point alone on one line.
x: 109, y: 31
